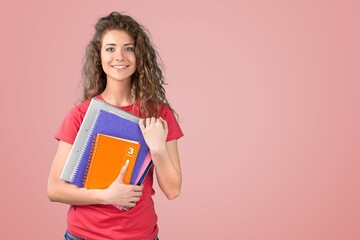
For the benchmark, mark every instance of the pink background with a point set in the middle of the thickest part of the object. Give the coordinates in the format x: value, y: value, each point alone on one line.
x: 268, y: 96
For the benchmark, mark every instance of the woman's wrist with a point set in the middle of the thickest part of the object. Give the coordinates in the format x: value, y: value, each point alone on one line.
x: 99, y: 196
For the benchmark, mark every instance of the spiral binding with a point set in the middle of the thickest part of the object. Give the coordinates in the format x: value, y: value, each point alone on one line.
x: 72, y: 177
x: 93, y: 151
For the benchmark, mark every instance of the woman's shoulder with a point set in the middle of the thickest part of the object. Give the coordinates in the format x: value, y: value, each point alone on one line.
x: 167, y: 113
x: 165, y: 109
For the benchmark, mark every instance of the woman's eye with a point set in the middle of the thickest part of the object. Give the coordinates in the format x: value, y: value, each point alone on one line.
x: 111, y: 49
x: 129, y: 49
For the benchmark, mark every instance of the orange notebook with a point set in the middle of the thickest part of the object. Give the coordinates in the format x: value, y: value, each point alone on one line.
x: 109, y: 155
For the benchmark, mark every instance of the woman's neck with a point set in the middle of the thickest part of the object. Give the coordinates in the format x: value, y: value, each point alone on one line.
x: 117, y: 95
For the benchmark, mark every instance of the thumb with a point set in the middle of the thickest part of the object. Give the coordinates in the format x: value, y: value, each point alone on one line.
x: 122, y: 172
x: 142, y: 125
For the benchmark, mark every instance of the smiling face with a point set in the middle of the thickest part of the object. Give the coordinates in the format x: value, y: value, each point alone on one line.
x: 118, y: 55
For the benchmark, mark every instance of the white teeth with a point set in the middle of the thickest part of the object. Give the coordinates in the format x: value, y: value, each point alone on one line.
x: 119, y: 66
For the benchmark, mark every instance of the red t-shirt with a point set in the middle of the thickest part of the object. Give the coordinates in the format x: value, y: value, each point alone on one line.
x: 97, y: 222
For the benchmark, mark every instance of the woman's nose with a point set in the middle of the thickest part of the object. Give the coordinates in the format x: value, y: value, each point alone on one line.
x: 119, y: 57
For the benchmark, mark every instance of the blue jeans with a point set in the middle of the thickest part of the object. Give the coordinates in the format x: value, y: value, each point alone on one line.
x: 69, y: 236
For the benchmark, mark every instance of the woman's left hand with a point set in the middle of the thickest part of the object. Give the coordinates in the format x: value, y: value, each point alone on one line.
x: 155, y: 132
x: 163, y: 154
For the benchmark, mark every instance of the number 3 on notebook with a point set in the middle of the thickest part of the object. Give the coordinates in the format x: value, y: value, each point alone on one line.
x: 131, y: 151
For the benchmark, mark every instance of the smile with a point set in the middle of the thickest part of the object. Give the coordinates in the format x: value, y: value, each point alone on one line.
x: 119, y: 66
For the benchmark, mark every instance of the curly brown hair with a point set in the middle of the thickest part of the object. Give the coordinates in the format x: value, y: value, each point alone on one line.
x: 147, y: 81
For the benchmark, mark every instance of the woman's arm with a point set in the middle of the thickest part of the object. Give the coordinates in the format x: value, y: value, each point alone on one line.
x: 164, y: 154
x: 64, y: 192
x: 167, y: 168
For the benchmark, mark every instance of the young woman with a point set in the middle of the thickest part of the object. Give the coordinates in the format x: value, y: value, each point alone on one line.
x: 121, y: 68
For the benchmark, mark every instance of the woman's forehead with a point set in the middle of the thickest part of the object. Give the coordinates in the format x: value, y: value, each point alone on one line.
x: 117, y: 37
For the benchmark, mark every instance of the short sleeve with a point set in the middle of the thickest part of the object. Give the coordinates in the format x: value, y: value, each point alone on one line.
x: 175, y: 131
x: 70, y: 126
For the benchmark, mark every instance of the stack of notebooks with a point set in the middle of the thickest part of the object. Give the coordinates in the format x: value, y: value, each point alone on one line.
x: 107, y: 138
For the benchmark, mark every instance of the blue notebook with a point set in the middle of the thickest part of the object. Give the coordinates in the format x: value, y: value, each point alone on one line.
x: 111, y: 124
x: 77, y: 148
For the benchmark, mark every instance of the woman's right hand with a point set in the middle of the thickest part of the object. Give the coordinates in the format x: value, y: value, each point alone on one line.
x: 59, y: 190
x: 119, y: 193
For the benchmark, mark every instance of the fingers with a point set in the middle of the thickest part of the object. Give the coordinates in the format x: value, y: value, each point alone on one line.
x: 135, y: 199
x: 122, y: 194
x: 143, y: 123
x: 122, y: 172
x: 133, y: 190
x: 137, y: 189
x: 148, y: 121
x: 129, y: 205
x: 135, y: 196
x: 164, y: 123
x: 137, y: 192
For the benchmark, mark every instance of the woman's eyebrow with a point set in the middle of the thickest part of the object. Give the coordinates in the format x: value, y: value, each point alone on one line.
x: 113, y: 44
x: 110, y: 44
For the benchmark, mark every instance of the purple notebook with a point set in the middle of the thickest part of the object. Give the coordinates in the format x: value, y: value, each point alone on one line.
x: 114, y: 125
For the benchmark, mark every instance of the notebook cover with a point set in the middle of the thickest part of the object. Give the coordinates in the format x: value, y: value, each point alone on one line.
x: 73, y: 159
x: 144, y: 172
x: 114, y: 125
x: 109, y: 155
x: 144, y: 169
